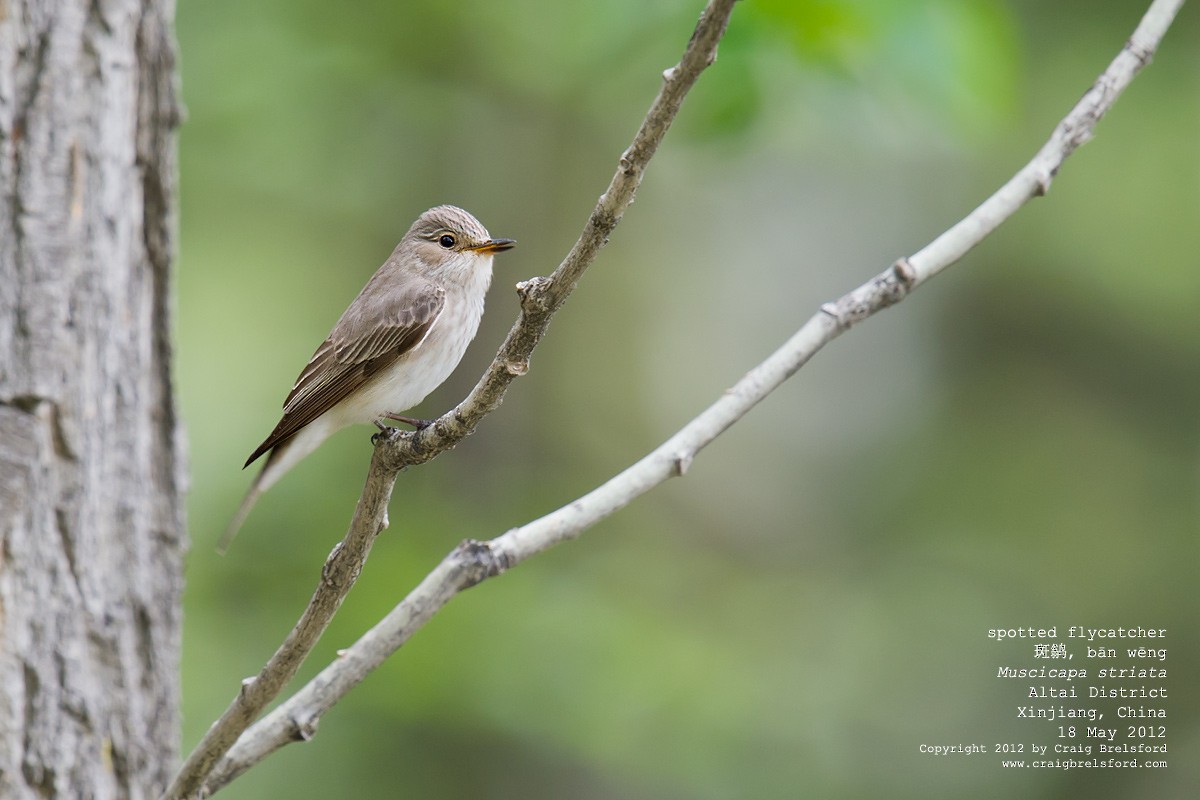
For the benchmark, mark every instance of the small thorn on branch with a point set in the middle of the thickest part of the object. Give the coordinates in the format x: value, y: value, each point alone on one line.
x: 680, y: 464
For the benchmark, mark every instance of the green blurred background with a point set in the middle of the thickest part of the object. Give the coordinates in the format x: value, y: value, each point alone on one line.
x: 1016, y: 444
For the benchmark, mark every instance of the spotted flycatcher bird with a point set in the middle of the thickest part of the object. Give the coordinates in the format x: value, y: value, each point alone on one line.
x: 397, y: 342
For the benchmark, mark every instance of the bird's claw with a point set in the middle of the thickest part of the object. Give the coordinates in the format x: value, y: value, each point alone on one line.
x: 386, y: 433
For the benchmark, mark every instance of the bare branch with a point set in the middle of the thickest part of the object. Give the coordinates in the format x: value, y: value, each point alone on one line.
x: 339, y: 573
x: 473, y: 561
x: 540, y: 299
x: 1075, y: 129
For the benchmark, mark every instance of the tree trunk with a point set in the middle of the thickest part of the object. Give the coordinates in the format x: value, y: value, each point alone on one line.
x: 91, y: 449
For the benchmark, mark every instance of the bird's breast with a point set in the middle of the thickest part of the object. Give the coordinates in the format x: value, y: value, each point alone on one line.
x: 415, y: 374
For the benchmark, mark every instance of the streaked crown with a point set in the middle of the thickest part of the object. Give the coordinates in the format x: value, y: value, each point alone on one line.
x: 448, y: 239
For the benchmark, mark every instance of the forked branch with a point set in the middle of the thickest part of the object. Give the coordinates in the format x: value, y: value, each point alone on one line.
x: 474, y: 561
x: 540, y: 299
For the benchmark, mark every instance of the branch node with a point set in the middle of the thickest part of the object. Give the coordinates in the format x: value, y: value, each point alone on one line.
x: 304, y: 728
x: 905, y: 273
x: 532, y: 293
x: 480, y: 561
x: 1143, y: 53
x: 327, y: 569
x: 889, y: 288
x: 1043, y: 180
x: 670, y: 72
x: 681, y: 463
x: 1076, y: 128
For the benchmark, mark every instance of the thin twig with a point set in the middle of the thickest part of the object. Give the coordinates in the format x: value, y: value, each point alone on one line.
x: 540, y: 299
x: 472, y: 562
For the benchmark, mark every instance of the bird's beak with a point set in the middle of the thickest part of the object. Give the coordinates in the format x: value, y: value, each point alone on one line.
x: 494, y: 246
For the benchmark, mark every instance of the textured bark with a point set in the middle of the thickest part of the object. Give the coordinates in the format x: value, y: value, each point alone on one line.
x: 91, y: 450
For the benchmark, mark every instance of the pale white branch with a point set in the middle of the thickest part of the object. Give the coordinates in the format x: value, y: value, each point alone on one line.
x: 1075, y: 129
x: 474, y: 561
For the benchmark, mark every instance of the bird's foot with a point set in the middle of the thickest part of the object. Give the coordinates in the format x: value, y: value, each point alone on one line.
x: 419, y: 424
x: 386, y: 433
x: 389, y: 432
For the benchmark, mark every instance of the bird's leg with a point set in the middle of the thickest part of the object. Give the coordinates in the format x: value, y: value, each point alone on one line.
x: 419, y: 424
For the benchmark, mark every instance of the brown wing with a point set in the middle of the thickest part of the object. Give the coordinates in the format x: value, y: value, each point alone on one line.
x: 369, y: 337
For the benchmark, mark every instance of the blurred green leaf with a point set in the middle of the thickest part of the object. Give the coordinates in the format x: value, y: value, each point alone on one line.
x: 955, y: 63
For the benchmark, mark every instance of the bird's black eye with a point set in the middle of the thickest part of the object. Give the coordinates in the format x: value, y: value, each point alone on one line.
x: 446, y: 240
